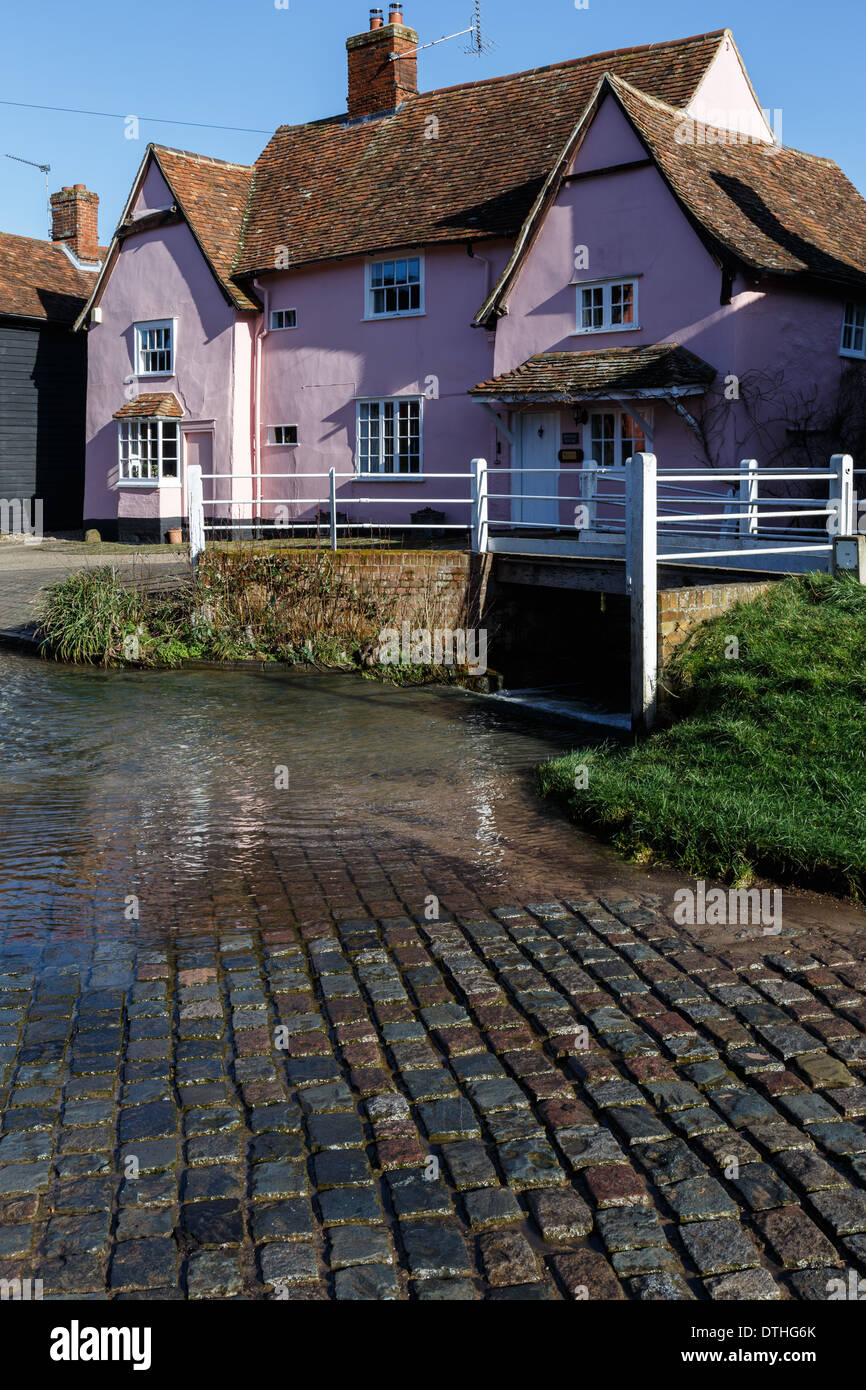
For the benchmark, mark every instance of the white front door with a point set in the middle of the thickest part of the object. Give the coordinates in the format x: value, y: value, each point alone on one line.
x: 539, y: 447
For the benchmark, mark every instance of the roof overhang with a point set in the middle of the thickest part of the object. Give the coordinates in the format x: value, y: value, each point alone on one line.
x: 659, y: 393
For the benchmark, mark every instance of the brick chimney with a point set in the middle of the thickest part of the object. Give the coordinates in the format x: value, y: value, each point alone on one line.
x: 383, y: 65
x: 73, y: 221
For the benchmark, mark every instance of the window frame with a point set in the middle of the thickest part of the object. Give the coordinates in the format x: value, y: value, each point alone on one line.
x: 136, y: 423
x: 282, y: 327
x: 856, y: 310
x: 606, y: 287
x: 620, y: 414
x: 370, y: 314
x: 272, y: 443
x: 143, y: 324
x: 393, y: 474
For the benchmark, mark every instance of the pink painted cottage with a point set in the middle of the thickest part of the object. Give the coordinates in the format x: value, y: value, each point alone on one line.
x: 577, y: 262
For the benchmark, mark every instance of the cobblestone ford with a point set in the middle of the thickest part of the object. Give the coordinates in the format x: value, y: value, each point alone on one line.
x: 559, y: 1101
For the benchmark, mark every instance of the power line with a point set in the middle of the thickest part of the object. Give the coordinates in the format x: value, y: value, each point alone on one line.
x: 117, y: 116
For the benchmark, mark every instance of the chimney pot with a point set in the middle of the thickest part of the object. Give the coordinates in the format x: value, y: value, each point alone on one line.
x: 395, y: 14
x: 376, y: 20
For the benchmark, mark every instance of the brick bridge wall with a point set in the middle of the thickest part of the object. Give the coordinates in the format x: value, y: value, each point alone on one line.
x: 682, y: 610
x: 453, y: 582
x: 530, y: 627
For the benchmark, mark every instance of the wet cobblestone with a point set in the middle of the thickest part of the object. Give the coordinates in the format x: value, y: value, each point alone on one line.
x: 566, y: 1102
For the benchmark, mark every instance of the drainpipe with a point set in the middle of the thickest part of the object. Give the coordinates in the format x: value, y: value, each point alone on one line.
x: 263, y: 331
x: 473, y: 255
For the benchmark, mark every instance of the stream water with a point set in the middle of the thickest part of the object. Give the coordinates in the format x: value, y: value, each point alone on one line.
x: 185, y: 800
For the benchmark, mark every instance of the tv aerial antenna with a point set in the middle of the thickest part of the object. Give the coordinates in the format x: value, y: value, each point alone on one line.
x: 477, y: 46
x: 46, y: 169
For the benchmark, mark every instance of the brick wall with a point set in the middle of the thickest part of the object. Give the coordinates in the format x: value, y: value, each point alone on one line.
x: 681, y: 610
x: 455, y: 580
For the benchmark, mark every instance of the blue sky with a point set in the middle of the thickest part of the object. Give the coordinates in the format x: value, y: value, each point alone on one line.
x: 247, y: 63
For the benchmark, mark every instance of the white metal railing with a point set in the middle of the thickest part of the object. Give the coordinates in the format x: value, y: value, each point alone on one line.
x: 737, y: 523
x: 635, y: 537
x: 623, y: 513
x: 204, y: 527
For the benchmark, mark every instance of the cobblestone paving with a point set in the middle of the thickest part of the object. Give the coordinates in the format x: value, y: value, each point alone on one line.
x: 26, y: 571
x: 556, y: 1101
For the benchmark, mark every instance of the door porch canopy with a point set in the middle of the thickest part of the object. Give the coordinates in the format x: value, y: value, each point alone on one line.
x: 664, y: 372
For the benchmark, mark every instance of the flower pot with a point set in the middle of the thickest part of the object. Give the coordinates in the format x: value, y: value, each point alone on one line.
x: 175, y: 536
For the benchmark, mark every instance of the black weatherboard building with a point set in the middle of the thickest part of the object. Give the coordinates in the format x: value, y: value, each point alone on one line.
x: 43, y: 364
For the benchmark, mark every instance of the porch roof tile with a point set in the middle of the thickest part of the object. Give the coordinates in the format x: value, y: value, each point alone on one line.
x: 163, y: 404
x: 576, y: 376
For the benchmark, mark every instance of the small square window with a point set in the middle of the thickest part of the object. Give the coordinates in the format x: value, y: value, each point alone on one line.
x: 284, y: 318
x: 282, y: 434
x: 854, y: 331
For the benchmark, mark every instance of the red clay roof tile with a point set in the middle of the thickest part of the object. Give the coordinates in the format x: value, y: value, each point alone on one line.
x: 341, y: 188
x: 39, y: 281
x: 150, y: 405
x: 577, y: 376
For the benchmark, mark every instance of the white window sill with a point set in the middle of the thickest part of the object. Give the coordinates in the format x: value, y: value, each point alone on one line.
x: 615, y: 328
x: 151, y: 484
x: 392, y: 478
x: 154, y: 376
x: 385, y: 318
x: 849, y: 352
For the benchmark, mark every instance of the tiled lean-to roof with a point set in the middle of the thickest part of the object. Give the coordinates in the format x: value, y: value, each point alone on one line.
x: 154, y: 404
x: 338, y: 188
x: 580, y: 376
x: 39, y: 281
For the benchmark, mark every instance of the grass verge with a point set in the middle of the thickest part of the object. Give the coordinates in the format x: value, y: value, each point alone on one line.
x: 763, y: 770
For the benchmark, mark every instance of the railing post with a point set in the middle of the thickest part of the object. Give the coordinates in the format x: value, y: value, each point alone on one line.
x: 842, y: 495
x: 749, y: 494
x: 195, y: 503
x: 589, y: 494
x: 479, y: 506
x: 332, y: 493
x: 641, y: 512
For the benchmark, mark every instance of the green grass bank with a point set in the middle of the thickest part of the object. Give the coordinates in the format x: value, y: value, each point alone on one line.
x: 761, y: 767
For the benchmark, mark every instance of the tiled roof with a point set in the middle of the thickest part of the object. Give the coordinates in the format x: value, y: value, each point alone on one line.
x: 776, y: 209
x: 39, y: 281
x: 338, y: 188
x: 577, y: 376
x: 213, y: 197
x: 154, y: 403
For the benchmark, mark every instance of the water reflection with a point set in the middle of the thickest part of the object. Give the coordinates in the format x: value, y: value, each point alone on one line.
x: 163, y: 786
